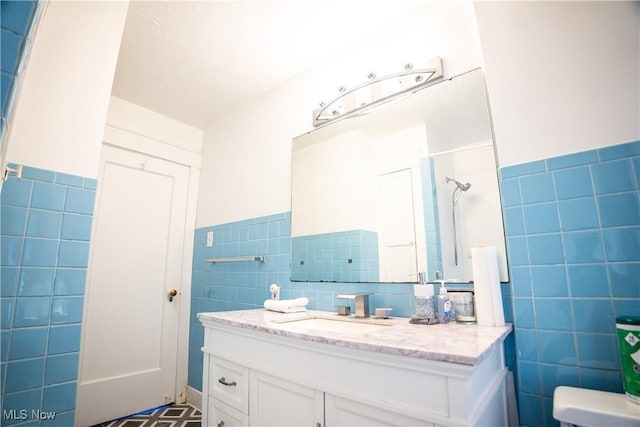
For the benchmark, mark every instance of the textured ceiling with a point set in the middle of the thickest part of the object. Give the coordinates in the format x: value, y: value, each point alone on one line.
x: 196, y: 60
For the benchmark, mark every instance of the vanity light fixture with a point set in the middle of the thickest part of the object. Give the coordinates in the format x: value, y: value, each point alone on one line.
x: 377, y: 92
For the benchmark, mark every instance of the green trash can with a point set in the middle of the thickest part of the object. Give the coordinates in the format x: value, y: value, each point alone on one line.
x: 628, y: 328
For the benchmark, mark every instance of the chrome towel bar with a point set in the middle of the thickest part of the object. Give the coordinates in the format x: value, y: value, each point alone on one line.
x: 259, y: 258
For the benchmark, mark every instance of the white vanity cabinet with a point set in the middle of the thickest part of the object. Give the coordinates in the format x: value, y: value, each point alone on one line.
x: 262, y: 376
x: 278, y: 402
x: 340, y: 411
x: 221, y: 415
x: 228, y: 386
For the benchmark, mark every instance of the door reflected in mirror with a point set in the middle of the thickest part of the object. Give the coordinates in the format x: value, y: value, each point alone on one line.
x: 371, y: 201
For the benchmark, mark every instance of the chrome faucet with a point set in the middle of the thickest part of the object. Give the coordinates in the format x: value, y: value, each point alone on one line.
x: 362, y: 303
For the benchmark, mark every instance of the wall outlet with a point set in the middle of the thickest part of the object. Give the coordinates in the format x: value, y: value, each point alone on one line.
x: 209, y: 239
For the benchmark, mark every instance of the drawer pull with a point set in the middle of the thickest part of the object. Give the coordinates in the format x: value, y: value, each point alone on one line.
x: 225, y: 382
x: 221, y: 424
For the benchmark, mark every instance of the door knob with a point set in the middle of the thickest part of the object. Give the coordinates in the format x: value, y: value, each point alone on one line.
x: 172, y: 293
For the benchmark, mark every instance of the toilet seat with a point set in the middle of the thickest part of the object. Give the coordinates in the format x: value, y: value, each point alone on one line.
x: 583, y: 407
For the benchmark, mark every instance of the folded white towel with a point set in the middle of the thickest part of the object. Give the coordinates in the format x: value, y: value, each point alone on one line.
x: 287, y: 305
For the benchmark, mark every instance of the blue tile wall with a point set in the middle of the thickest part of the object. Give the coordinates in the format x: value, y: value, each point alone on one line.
x: 236, y: 286
x: 346, y: 256
x: 573, y: 240
x: 16, y: 17
x: 45, y: 231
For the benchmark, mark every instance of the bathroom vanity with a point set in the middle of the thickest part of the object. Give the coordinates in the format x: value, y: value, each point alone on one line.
x: 315, y: 368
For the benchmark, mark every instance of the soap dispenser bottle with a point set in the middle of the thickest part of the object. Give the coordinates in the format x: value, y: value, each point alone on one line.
x: 444, y: 305
x: 423, y: 292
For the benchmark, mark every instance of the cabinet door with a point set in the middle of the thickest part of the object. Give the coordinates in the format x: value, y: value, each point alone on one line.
x: 276, y: 402
x: 222, y: 415
x: 345, y: 412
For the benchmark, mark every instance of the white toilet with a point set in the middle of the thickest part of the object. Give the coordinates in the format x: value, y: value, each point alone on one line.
x: 593, y: 408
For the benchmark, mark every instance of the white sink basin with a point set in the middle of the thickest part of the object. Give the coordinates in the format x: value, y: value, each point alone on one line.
x: 338, y: 325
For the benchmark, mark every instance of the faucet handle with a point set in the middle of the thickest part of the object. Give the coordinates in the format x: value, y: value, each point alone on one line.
x: 343, y: 310
x: 383, y: 312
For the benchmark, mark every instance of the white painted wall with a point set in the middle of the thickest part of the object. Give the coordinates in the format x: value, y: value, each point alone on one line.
x: 563, y: 77
x: 336, y: 174
x: 61, y: 111
x: 328, y: 180
x: 141, y: 121
x: 247, y: 154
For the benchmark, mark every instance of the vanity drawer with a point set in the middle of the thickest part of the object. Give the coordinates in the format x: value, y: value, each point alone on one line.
x: 229, y: 383
x: 222, y: 415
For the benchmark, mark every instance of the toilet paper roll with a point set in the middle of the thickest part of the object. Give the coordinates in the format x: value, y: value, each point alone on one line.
x: 486, y: 284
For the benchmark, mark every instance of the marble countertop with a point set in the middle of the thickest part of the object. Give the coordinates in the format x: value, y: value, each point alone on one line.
x: 466, y: 344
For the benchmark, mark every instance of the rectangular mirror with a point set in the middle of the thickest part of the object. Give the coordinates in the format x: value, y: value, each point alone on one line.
x: 407, y: 188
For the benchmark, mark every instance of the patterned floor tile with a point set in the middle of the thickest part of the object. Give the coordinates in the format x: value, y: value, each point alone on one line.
x: 175, y: 415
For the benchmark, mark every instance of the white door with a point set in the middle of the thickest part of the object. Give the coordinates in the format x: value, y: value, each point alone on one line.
x: 130, y: 331
x: 396, y: 227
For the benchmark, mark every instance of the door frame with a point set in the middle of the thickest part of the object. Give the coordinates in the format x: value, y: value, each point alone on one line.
x: 127, y: 140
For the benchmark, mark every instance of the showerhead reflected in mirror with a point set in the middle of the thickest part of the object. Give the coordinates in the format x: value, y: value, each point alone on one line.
x: 461, y: 186
x: 374, y: 197
x: 457, y: 193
